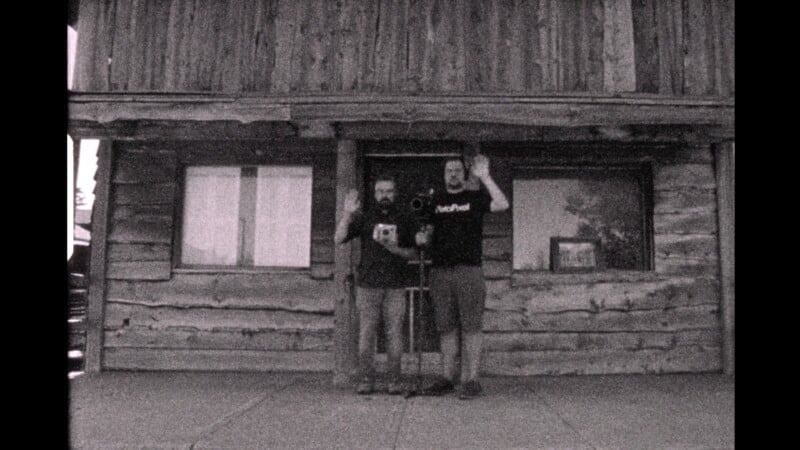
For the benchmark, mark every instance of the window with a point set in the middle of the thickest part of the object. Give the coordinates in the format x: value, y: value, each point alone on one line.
x: 612, y: 204
x: 247, y: 216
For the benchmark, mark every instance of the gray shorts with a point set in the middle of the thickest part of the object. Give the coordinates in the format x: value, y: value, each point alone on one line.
x: 459, y: 297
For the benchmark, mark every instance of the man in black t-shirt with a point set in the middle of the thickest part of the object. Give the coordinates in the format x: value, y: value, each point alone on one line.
x: 387, y: 242
x: 457, y: 286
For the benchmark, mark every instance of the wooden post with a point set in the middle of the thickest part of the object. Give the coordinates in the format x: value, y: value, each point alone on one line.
x: 725, y: 163
x: 346, y: 332
x: 97, y: 261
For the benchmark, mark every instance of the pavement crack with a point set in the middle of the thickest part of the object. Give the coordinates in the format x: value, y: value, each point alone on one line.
x: 564, y: 420
x: 238, y: 412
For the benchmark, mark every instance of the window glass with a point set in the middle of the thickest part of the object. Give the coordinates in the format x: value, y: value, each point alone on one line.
x: 593, y: 204
x: 247, y: 216
x: 283, y: 217
x: 211, y: 216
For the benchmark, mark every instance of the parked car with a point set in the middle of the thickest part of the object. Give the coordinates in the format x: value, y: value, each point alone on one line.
x: 78, y: 268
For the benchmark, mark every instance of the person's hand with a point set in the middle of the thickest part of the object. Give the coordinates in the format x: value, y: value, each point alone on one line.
x: 351, y: 201
x: 423, y: 237
x: 390, y: 245
x: 480, y: 166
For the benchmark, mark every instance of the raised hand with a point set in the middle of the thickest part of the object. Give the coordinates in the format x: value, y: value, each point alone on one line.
x: 351, y: 201
x: 480, y: 166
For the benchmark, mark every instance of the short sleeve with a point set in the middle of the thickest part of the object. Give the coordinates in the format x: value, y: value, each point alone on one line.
x: 484, y: 200
x: 356, y: 224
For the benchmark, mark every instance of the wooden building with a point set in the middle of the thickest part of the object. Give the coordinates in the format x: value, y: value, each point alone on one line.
x: 231, y: 131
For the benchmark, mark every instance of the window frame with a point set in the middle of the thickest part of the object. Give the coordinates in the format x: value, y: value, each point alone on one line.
x: 178, y: 266
x: 643, y: 172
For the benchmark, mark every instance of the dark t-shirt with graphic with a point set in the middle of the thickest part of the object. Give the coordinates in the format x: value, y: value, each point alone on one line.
x: 380, y: 268
x: 458, y: 222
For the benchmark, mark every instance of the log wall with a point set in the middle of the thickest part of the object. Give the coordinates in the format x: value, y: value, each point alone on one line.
x: 159, y: 317
x: 673, y: 47
x: 665, y: 320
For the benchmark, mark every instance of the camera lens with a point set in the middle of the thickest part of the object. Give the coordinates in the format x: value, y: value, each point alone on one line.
x: 385, y: 232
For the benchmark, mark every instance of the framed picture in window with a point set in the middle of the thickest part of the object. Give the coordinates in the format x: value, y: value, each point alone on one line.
x: 568, y: 254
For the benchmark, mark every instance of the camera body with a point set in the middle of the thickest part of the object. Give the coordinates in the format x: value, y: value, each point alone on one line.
x: 422, y: 206
x: 384, y: 232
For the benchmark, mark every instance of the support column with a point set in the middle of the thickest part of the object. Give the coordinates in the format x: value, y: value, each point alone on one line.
x: 97, y: 262
x: 345, y: 337
x: 725, y: 162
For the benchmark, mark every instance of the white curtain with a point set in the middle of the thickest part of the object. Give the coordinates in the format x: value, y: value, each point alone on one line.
x: 211, y: 216
x: 283, y: 216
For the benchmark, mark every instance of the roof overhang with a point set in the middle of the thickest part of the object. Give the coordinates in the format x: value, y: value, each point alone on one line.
x: 364, y: 116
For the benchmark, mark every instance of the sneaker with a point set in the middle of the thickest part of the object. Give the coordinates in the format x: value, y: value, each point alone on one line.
x: 439, y: 387
x: 366, y: 386
x: 470, y: 389
x: 395, y: 387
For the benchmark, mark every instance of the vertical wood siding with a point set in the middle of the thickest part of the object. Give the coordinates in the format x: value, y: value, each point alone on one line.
x: 674, y: 47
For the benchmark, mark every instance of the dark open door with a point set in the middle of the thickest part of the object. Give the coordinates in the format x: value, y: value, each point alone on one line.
x: 416, y: 167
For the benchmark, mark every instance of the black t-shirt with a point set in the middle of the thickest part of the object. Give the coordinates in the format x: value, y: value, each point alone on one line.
x: 458, y: 222
x: 380, y: 268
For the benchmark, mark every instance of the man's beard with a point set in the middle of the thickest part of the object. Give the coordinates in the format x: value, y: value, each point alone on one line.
x: 455, y: 184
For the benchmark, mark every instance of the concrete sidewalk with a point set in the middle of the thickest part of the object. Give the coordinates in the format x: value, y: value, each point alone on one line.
x: 256, y: 410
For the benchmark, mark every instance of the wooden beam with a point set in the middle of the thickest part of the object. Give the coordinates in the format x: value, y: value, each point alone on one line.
x: 97, y: 267
x: 619, y: 68
x: 725, y: 171
x: 179, y: 130
x: 346, y: 332
x: 597, y: 110
x: 374, y: 130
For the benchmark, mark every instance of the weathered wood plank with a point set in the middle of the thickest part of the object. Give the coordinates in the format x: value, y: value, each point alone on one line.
x: 515, y: 341
x: 346, y: 334
x: 286, y: 291
x: 691, y: 222
x: 685, y: 201
x: 544, y: 279
x: 697, y: 58
x: 153, y: 213
x: 687, y: 266
x: 692, y: 358
x: 148, y: 230
x: 698, y: 176
x: 619, y: 66
x: 605, y: 296
x: 645, y: 44
x: 219, y: 339
x: 686, y: 245
x: 139, y: 270
x: 94, y: 45
x: 97, y: 263
x: 493, y: 269
x: 119, y: 315
x: 139, y: 252
x: 236, y: 360
x: 144, y: 168
x: 726, y: 179
x: 674, y: 319
x: 499, y: 248
x: 143, y: 194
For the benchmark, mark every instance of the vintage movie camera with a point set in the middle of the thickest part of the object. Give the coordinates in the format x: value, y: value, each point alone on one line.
x: 384, y: 232
x: 422, y: 206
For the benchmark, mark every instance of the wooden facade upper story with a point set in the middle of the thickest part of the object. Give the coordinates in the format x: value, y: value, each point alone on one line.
x: 671, y: 48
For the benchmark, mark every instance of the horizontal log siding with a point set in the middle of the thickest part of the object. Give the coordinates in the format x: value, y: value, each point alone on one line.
x: 157, y: 318
x: 665, y: 320
x: 289, y: 46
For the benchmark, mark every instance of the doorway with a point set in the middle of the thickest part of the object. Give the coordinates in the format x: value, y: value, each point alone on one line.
x: 417, y: 168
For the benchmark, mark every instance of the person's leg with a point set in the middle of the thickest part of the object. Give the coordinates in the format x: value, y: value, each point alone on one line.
x: 471, y: 294
x: 394, y: 305
x: 368, y: 303
x: 444, y: 310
